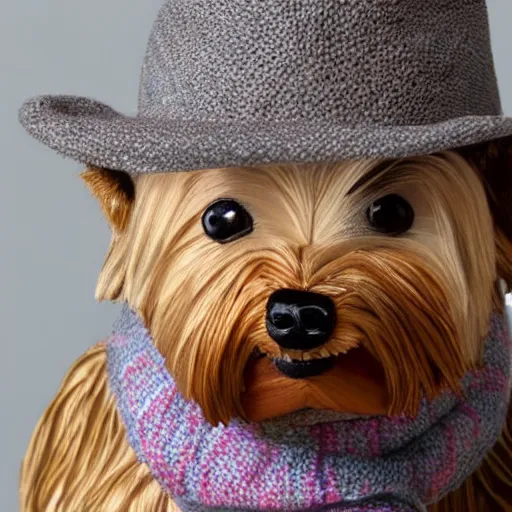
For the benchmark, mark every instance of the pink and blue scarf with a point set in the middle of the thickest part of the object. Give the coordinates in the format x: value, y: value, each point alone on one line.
x: 310, y: 460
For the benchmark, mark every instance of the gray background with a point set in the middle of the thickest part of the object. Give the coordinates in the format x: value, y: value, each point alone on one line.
x: 52, y: 235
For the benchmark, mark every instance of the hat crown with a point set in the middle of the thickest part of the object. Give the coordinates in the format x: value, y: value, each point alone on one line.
x: 250, y: 82
x: 357, y: 62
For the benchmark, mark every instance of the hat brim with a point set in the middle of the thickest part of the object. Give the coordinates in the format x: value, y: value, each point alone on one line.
x: 93, y: 133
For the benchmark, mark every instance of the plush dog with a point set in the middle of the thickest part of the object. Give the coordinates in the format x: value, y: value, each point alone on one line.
x: 314, y: 299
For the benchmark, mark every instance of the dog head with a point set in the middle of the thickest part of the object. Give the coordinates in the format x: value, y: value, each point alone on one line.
x: 357, y: 286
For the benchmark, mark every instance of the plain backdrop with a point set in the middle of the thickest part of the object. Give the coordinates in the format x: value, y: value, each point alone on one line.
x: 52, y: 235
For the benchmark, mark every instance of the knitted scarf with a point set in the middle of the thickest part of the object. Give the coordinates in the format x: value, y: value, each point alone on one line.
x: 310, y: 460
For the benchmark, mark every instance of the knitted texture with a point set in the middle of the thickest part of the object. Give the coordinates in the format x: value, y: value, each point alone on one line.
x: 390, y: 505
x: 296, y: 462
x: 233, y: 82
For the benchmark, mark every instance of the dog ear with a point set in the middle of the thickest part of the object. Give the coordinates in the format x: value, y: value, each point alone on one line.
x: 115, y: 191
x: 493, y: 162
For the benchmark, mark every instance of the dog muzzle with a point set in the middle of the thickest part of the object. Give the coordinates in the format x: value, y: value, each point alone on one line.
x: 297, y: 462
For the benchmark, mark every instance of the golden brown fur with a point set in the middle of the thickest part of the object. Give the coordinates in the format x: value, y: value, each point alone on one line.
x: 115, y: 193
x: 79, y: 459
x: 308, y: 228
x: 419, y: 351
x: 437, y: 283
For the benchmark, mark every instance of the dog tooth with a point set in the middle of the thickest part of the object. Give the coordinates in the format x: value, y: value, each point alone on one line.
x: 287, y: 358
x: 324, y: 353
x: 306, y: 356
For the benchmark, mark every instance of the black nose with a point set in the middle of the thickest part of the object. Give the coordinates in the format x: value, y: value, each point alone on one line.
x: 300, y: 320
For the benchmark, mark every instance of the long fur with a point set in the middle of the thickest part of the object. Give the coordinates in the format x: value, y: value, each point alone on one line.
x: 310, y: 224
x: 116, y: 193
x: 79, y: 459
x: 204, y: 304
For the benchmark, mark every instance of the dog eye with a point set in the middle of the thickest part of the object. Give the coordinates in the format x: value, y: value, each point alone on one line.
x: 390, y: 214
x: 226, y: 220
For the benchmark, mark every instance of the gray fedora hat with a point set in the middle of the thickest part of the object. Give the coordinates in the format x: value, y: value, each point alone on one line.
x: 245, y: 82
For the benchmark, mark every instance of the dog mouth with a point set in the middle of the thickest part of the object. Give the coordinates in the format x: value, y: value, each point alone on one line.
x: 311, y: 363
x: 351, y: 382
x: 300, y: 369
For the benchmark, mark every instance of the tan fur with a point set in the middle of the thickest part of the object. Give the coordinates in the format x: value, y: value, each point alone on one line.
x: 419, y: 352
x: 309, y: 222
x: 114, y: 190
x: 204, y: 304
x: 78, y: 459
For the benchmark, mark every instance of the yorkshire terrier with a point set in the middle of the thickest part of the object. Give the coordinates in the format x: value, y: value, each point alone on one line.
x: 356, y: 286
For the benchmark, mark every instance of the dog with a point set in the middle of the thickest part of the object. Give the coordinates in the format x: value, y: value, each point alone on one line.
x: 407, y: 254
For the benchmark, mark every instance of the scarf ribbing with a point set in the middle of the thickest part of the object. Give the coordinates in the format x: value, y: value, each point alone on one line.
x: 311, y: 460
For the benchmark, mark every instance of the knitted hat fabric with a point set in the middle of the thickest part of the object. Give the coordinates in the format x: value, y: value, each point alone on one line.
x: 241, y: 82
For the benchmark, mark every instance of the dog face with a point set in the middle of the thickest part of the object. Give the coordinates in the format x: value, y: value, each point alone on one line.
x: 356, y: 286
